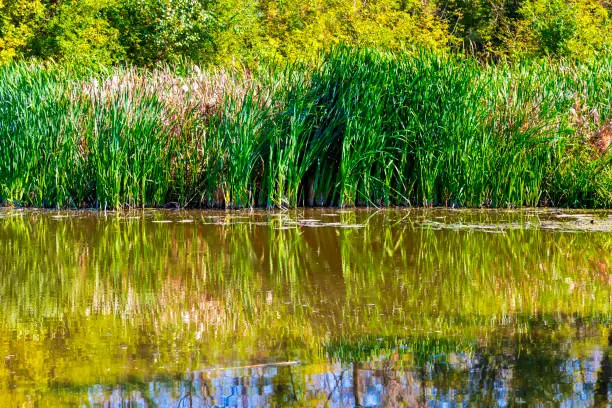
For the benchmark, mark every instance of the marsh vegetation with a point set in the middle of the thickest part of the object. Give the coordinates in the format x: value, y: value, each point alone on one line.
x: 361, y: 127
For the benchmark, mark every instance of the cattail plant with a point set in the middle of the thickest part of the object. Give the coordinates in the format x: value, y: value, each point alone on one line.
x: 360, y: 127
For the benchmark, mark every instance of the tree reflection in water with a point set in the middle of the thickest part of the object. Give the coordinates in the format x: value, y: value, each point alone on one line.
x: 485, y: 378
x: 412, y: 308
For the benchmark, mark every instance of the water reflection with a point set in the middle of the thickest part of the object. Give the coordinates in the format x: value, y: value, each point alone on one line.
x: 481, y: 378
x: 414, y: 308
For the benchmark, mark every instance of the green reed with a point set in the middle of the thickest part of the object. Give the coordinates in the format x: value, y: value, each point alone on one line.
x: 359, y: 128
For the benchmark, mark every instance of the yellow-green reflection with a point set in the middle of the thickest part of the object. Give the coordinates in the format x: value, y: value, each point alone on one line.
x: 101, y: 306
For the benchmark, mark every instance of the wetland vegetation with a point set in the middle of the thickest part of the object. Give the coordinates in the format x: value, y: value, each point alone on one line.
x: 111, y: 107
x: 360, y: 127
x: 240, y: 103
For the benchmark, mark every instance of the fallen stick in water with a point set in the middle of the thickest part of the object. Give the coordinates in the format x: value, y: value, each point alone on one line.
x: 279, y: 364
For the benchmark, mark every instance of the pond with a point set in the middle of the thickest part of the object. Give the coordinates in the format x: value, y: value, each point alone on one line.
x: 411, y: 307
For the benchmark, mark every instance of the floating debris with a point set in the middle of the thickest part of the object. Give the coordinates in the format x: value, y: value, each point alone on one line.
x: 578, y: 223
x: 331, y: 224
x: 277, y: 364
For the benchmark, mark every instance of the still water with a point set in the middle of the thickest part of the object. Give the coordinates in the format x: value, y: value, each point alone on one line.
x: 306, y: 308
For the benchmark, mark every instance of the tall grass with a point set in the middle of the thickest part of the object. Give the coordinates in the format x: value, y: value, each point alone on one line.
x: 360, y: 128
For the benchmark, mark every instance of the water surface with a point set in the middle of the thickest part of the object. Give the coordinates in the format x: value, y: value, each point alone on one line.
x: 306, y: 308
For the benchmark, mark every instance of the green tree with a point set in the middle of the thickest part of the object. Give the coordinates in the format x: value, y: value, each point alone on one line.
x: 240, y: 32
x: 400, y: 24
x: 579, y: 28
x: 484, y: 27
x: 164, y: 30
x: 294, y: 29
x: 19, y: 20
x: 80, y: 34
x: 553, y: 22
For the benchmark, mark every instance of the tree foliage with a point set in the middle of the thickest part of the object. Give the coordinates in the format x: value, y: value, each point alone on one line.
x: 163, y: 30
x: 19, y: 21
x: 145, y: 32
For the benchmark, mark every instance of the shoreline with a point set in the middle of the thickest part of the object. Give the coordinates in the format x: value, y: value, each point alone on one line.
x: 337, y: 210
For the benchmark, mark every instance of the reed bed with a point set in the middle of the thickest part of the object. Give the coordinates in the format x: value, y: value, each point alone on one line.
x: 359, y: 128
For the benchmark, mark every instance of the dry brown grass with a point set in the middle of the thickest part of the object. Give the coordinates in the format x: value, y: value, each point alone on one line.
x: 196, y: 95
x: 584, y: 119
x: 602, y: 139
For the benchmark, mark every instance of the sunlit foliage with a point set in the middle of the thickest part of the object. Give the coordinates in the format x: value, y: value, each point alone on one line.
x: 360, y: 128
x: 19, y: 23
x: 227, y: 32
